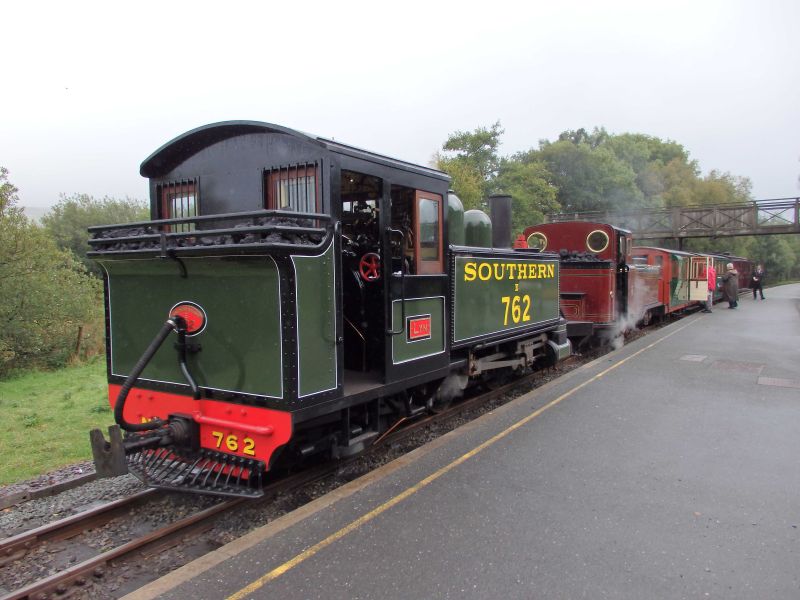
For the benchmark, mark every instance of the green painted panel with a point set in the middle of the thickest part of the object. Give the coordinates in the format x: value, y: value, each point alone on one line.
x: 424, y: 321
x: 241, y: 343
x: 501, y: 294
x: 316, y: 322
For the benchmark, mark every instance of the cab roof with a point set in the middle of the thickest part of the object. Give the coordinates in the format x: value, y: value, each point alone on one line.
x: 171, y: 154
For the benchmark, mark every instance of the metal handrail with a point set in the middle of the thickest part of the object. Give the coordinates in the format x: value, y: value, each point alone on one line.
x: 220, y: 217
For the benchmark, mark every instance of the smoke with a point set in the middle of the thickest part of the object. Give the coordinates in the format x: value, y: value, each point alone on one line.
x: 616, y: 334
x: 643, y: 283
x: 451, y: 388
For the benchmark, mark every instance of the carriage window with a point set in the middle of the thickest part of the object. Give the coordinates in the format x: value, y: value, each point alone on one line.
x: 292, y: 188
x: 179, y: 201
x: 698, y: 269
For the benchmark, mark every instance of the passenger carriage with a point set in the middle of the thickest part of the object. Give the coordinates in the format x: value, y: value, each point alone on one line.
x: 684, y: 280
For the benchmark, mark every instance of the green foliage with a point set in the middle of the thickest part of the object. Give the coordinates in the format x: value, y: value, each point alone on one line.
x: 777, y: 254
x: 583, y: 171
x: 39, y: 435
x: 533, y: 195
x: 30, y: 420
x: 46, y: 296
x: 722, y: 188
x: 8, y: 194
x: 477, y: 148
x: 589, y: 177
x: 467, y: 181
x: 471, y: 159
x: 68, y: 221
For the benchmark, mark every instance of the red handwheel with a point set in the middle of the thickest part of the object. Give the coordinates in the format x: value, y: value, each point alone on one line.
x: 370, y: 267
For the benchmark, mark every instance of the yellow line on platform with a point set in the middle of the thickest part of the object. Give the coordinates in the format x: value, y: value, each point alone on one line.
x: 309, y: 552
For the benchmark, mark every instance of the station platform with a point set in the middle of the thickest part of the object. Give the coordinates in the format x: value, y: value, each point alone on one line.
x: 666, y: 469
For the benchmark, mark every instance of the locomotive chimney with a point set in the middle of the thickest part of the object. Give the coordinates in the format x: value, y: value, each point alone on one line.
x: 500, y: 212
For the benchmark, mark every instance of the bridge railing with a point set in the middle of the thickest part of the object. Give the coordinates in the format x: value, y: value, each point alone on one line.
x: 781, y: 215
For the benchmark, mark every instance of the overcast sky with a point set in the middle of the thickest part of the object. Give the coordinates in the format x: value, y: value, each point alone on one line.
x: 91, y: 89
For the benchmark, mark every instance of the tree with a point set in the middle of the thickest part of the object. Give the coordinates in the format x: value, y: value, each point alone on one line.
x: 775, y: 252
x: 470, y: 157
x: 580, y: 136
x: 649, y: 156
x: 68, y: 221
x: 589, y: 178
x: 722, y: 188
x: 467, y: 181
x: 8, y: 194
x: 533, y: 195
x: 46, y: 296
x: 679, y: 180
x: 478, y: 148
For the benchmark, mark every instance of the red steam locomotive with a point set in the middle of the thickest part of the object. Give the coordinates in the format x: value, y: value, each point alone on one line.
x: 608, y: 286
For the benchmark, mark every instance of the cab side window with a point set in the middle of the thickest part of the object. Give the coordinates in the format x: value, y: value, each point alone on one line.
x: 294, y: 188
x: 428, y: 240
x: 418, y: 215
x: 178, y: 200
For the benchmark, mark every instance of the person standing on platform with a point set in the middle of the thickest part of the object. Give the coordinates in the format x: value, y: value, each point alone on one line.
x: 712, y: 285
x: 730, y: 286
x: 757, y: 281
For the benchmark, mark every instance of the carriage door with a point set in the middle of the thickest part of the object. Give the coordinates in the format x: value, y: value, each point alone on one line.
x: 417, y: 329
x: 698, y: 278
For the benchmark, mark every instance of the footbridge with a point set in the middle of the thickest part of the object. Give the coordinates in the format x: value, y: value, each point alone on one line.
x: 761, y: 217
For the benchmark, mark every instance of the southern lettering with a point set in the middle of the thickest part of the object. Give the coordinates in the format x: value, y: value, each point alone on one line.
x: 485, y: 271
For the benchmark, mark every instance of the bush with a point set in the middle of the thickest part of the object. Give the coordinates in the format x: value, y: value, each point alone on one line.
x: 68, y: 221
x: 46, y: 296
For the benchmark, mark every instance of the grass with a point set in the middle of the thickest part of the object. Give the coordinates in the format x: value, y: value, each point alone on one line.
x: 47, y: 416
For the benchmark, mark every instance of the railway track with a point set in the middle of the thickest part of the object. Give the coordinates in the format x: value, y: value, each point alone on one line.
x: 95, y: 568
x: 80, y: 577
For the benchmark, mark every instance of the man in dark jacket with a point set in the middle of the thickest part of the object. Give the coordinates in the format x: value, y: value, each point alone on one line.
x: 730, y: 286
x: 757, y: 281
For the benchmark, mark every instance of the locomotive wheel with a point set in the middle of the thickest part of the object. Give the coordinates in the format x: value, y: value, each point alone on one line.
x: 369, y: 267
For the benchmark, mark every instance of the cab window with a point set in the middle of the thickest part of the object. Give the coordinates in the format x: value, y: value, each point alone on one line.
x: 294, y: 188
x: 428, y: 241
x: 178, y: 201
x: 418, y: 216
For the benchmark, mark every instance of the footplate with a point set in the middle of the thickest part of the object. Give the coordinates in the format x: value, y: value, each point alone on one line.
x: 203, y: 472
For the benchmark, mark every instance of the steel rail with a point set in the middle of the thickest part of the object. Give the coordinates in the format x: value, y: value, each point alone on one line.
x: 45, y: 491
x: 15, y: 547
x: 81, y: 573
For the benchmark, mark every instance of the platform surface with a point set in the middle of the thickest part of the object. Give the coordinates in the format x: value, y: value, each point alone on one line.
x: 667, y: 469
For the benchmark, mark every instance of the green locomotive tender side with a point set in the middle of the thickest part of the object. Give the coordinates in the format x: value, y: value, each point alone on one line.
x: 502, y: 293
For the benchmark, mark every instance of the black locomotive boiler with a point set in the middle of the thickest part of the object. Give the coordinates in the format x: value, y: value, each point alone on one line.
x: 292, y: 296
